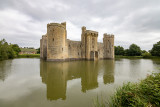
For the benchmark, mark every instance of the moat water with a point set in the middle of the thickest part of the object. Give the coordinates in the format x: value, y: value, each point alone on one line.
x: 35, y: 83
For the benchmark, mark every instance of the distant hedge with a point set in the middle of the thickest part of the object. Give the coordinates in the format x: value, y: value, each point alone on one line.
x: 29, y: 56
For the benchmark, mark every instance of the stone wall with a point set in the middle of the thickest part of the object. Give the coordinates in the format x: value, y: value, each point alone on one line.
x: 44, y: 47
x: 100, y: 50
x: 74, y: 49
x: 41, y: 54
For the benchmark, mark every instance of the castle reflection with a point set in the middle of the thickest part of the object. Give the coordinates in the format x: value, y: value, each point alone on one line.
x: 56, y: 75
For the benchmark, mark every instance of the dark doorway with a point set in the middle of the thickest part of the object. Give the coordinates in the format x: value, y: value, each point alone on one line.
x: 96, y: 55
x: 92, y: 55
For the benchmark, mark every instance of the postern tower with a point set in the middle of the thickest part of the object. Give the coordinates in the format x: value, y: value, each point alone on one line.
x: 89, y: 44
x: 108, y: 41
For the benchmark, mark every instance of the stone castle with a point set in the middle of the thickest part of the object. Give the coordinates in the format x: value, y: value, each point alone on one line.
x: 55, y: 46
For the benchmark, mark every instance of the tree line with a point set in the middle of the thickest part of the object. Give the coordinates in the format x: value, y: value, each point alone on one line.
x: 135, y: 50
x: 8, y: 50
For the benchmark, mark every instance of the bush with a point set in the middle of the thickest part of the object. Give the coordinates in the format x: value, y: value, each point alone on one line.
x: 145, y: 93
x: 146, y: 55
x: 8, y: 51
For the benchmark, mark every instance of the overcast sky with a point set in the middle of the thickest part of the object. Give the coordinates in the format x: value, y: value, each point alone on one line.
x: 23, y: 22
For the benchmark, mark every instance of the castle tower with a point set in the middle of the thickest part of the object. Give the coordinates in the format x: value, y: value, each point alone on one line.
x: 83, y: 41
x: 44, y: 46
x: 56, y: 42
x: 91, y: 52
x: 108, y: 41
x: 41, y: 49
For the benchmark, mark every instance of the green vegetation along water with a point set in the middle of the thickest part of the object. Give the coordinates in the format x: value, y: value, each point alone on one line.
x: 32, y: 82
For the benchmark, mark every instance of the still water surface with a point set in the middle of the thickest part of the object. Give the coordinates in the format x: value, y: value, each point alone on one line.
x: 36, y: 83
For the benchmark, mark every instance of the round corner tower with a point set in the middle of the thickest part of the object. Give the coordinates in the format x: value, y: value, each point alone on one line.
x: 108, y: 41
x: 56, y: 37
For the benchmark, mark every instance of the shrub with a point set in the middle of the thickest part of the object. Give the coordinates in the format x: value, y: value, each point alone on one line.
x: 146, y: 55
x: 145, y: 93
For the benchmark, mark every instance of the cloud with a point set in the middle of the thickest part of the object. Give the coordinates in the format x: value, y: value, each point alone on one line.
x: 24, y: 21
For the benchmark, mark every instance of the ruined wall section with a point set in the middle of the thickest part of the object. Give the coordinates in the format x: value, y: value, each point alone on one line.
x: 56, y: 42
x: 74, y: 49
x: 108, y: 41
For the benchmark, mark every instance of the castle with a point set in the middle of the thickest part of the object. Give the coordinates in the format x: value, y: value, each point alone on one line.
x: 55, y: 46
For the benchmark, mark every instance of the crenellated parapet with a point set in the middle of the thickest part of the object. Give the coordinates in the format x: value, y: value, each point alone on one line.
x: 91, y: 33
x: 108, y: 35
x: 62, y: 25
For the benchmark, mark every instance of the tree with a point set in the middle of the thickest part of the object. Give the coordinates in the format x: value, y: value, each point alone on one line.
x: 3, y: 49
x: 119, y: 50
x: 134, y: 50
x: 11, y: 53
x: 126, y: 52
x: 38, y: 51
x: 16, y: 48
x: 144, y: 51
x: 155, y: 51
x: 8, y: 50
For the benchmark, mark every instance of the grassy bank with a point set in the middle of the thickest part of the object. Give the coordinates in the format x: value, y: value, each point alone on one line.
x: 146, y: 93
x: 120, y: 56
x: 29, y: 56
x: 150, y: 57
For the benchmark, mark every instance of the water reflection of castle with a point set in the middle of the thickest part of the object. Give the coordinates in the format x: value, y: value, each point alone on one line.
x: 56, y: 75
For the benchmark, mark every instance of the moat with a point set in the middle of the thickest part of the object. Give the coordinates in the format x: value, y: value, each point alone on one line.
x: 31, y: 82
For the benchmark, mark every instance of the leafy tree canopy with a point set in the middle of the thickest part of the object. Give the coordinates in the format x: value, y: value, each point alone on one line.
x: 119, y: 50
x: 155, y: 51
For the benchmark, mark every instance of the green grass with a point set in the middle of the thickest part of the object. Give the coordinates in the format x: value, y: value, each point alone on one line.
x: 29, y: 56
x: 146, y: 93
x: 120, y: 56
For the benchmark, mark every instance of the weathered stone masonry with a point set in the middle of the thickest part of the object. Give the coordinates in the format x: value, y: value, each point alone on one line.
x: 55, y: 46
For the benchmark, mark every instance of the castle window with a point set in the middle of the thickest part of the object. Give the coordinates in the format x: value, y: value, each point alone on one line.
x: 78, y: 53
x: 53, y: 39
x: 62, y: 49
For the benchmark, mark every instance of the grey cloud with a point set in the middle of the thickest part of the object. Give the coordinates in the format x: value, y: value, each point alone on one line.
x: 127, y: 19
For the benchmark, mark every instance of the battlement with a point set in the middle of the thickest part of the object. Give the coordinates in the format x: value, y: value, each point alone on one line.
x: 63, y: 25
x: 83, y: 28
x: 105, y: 35
x: 44, y: 36
x: 90, y: 32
